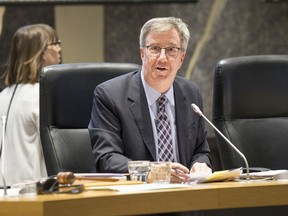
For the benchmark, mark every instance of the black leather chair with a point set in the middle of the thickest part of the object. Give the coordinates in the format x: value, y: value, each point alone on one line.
x: 250, y: 108
x: 66, y: 97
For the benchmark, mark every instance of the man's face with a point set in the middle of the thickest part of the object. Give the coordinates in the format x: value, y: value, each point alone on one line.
x: 160, y: 66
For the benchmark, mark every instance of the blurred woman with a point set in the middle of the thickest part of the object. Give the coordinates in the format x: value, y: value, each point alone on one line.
x: 32, y: 48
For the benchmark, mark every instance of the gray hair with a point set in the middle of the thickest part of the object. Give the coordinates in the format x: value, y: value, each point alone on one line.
x: 165, y: 24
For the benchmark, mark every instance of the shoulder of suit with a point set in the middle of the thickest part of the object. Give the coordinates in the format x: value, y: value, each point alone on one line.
x: 184, y: 81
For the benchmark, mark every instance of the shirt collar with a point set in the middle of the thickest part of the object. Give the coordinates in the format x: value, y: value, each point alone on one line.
x: 152, y: 95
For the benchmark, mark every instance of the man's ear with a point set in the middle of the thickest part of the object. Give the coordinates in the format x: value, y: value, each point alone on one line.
x: 182, y: 57
x: 142, y: 52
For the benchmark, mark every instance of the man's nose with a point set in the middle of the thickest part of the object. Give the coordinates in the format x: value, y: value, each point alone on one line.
x: 162, y: 53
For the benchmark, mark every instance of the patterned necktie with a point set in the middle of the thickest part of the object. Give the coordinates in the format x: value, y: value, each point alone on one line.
x: 165, y: 148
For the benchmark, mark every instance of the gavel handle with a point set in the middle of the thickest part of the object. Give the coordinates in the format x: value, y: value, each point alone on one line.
x: 69, y: 178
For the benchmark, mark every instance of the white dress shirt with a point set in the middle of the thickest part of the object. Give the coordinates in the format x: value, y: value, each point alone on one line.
x: 152, y: 96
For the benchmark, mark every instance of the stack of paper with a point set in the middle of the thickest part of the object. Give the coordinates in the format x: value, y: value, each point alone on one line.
x: 217, y: 176
x: 271, y: 174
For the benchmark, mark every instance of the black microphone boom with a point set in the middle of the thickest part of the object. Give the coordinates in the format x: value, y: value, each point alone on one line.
x: 198, y: 111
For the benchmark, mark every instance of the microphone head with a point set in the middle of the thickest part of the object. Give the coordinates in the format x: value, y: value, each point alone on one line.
x: 196, y: 109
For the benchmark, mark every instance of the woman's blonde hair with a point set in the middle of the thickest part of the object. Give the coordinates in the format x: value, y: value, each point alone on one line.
x: 24, y: 62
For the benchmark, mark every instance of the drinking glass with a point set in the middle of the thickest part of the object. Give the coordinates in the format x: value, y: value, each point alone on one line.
x: 160, y: 172
x: 139, y: 170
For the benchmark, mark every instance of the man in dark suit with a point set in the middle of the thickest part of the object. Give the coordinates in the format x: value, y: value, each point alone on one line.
x: 124, y: 117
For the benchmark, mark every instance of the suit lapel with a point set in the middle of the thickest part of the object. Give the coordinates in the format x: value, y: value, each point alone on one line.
x: 140, y: 111
x: 181, y: 121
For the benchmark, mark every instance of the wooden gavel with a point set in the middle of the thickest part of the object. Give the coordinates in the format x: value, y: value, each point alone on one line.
x: 69, y: 178
x: 66, y: 178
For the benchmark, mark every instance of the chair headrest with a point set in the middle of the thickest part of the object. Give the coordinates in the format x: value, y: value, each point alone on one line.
x: 251, y: 87
x: 66, y: 91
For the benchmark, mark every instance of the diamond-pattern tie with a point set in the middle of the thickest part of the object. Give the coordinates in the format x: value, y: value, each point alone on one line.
x: 165, y: 148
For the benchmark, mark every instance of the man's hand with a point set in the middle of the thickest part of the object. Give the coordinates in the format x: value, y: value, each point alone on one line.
x: 179, y: 173
x: 200, y: 167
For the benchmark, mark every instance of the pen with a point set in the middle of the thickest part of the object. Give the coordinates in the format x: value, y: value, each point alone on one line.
x: 178, y: 171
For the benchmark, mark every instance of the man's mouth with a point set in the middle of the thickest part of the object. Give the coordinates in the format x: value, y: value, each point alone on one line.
x: 161, y: 68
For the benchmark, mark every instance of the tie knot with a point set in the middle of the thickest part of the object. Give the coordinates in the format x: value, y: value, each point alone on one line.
x: 162, y: 100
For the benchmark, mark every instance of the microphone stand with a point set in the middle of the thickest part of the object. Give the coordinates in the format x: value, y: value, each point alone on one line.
x: 3, y: 118
x: 198, y: 111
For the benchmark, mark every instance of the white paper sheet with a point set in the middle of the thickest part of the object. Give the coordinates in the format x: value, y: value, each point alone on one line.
x: 139, y: 187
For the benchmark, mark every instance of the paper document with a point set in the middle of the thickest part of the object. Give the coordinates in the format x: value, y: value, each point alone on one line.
x: 217, y: 176
x: 87, y: 176
x: 140, y: 187
x: 264, y: 174
x: 10, y: 192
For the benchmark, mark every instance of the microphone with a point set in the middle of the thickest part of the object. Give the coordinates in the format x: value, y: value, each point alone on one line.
x: 198, y: 111
x: 3, y: 119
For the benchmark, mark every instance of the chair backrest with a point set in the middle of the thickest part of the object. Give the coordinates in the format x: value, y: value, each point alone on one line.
x: 66, y: 98
x: 250, y: 108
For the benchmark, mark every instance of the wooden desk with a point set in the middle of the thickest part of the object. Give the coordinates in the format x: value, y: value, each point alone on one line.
x: 197, y: 197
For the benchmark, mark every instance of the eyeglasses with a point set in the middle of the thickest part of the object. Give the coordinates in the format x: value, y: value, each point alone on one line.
x: 56, y: 43
x: 155, y: 51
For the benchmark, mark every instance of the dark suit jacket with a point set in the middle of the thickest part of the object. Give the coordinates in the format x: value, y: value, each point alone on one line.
x: 121, y: 128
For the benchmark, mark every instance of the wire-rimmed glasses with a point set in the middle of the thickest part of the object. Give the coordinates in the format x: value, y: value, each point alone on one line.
x: 155, y: 51
x: 56, y: 43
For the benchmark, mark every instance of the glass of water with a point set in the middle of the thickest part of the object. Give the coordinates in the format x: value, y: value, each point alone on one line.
x: 139, y: 170
x: 161, y: 172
